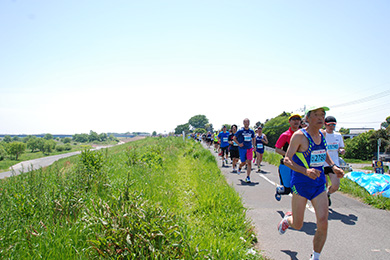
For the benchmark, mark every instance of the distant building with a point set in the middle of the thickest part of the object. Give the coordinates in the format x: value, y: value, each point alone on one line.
x: 356, y: 131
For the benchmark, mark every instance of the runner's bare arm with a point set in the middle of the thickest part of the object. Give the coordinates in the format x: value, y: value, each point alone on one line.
x: 280, y: 151
x: 265, y: 139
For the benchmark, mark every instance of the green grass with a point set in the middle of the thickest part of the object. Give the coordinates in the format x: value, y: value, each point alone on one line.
x: 272, y: 158
x: 157, y: 198
x: 352, y: 188
x: 357, y: 161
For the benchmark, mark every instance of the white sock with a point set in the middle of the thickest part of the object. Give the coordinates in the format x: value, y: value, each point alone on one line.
x: 315, y: 256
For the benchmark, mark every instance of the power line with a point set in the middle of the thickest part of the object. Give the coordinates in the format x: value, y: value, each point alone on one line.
x: 363, y: 100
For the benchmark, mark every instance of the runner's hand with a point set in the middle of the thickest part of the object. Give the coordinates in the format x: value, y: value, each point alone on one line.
x: 338, y: 171
x: 313, y: 173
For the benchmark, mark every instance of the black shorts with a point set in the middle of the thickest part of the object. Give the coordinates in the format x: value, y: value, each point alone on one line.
x: 224, y: 150
x: 328, y: 169
x: 234, y: 154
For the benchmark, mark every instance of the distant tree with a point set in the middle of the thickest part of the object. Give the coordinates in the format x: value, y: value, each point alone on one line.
x: 184, y: 127
x: 198, y: 121
x: 49, y: 146
x: 386, y: 123
x: 209, y: 127
x: 344, y: 131
x: 274, y: 127
x: 15, y: 138
x: 67, y: 140
x: 112, y: 138
x: 26, y: 138
x: 3, y: 152
x: 16, y: 149
x: 81, y: 138
x: 103, y: 137
x: 7, y: 139
x: 360, y: 147
x: 93, y: 136
x: 48, y: 137
x: 154, y: 133
x: 41, y: 144
x: 32, y: 143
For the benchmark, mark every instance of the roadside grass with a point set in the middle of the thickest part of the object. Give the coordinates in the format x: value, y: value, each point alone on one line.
x: 272, y: 158
x: 156, y: 198
x: 357, y: 161
x: 352, y: 188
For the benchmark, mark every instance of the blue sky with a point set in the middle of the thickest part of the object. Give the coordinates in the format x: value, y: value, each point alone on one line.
x: 115, y: 66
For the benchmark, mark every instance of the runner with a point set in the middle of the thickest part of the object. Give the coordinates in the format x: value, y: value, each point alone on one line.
x: 281, y: 147
x: 261, y: 139
x: 306, y: 156
x: 208, y: 139
x: 233, y: 148
x: 216, y: 143
x: 246, y: 140
x: 223, y: 139
x: 335, y: 143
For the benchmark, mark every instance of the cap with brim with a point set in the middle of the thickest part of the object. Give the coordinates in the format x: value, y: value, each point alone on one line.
x: 330, y: 120
x: 316, y: 108
x: 294, y: 115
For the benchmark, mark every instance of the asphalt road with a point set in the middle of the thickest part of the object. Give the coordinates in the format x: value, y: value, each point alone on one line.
x: 356, y: 231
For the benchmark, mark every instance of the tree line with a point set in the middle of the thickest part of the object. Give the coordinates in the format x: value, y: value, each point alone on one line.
x: 13, y: 147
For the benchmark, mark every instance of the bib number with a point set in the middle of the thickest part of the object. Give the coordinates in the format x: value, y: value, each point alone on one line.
x: 317, y: 158
x: 225, y: 140
x: 260, y: 146
x: 334, y: 147
x: 247, y: 138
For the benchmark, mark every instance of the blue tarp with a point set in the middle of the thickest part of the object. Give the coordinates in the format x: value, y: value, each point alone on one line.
x: 374, y: 183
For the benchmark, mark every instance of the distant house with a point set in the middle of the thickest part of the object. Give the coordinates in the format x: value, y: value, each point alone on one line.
x: 355, y: 132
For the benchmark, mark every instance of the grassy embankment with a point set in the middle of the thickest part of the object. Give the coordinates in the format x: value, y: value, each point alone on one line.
x: 151, y: 199
x: 346, y: 186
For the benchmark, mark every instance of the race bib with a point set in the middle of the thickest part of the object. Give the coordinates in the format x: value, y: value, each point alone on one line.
x: 225, y: 139
x: 235, y: 144
x: 333, y: 146
x: 317, y: 158
x: 247, y: 138
x: 260, y: 146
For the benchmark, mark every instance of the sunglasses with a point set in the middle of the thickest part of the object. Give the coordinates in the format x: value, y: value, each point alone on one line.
x: 331, y: 124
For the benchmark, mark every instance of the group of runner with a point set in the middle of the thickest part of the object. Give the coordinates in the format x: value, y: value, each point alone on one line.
x: 242, y: 145
x: 309, y: 154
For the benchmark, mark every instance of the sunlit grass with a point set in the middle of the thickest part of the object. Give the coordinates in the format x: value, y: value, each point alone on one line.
x: 157, y: 198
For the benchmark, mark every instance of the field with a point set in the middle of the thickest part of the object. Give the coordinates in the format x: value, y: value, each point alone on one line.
x: 156, y: 198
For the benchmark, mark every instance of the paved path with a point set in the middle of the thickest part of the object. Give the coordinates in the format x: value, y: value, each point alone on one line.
x: 27, y: 166
x: 356, y: 231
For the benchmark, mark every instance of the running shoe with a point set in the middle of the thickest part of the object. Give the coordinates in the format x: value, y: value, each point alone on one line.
x: 259, y: 170
x: 283, y: 224
x: 278, y: 197
x: 280, y: 189
x: 234, y: 171
x: 247, y: 179
x: 239, y: 170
